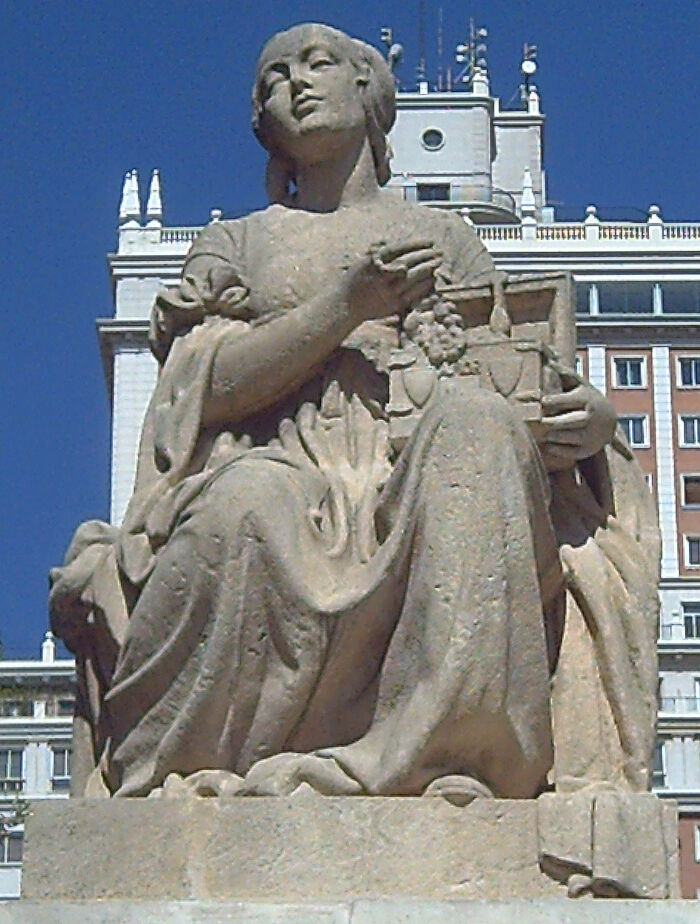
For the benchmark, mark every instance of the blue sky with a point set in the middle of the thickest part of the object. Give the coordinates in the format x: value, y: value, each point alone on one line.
x: 90, y: 90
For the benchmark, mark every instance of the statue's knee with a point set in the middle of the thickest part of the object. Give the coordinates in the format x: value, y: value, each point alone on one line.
x: 256, y: 495
x: 251, y: 487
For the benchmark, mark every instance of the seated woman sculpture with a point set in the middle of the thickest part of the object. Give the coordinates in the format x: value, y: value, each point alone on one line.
x: 295, y: 598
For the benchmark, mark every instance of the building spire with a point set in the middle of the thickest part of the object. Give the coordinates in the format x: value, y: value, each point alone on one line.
x: 528, y: 207
x: 48, y: 648
x: 154, y: 207
x: 130, y: 207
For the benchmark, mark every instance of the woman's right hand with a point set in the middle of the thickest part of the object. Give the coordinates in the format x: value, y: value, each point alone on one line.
x: 389, y: 279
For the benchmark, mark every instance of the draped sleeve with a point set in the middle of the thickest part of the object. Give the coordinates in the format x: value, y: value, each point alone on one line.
x: 188, y: 322
x: 213, y: 283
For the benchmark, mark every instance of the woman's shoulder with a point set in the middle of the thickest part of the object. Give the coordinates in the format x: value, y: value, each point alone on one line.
x: 229, y: 228
x: 438, y: 221
x: 225, y: 238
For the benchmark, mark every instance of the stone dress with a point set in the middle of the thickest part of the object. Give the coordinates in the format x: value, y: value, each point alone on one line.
x: 293, y: 583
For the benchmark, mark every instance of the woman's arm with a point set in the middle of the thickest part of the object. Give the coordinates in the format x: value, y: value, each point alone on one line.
x: 256, y: 368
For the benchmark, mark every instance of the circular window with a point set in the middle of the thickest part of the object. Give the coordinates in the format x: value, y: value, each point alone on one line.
x: 432, y: 139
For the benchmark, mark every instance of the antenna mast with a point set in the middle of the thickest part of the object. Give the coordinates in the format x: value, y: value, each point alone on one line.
x: 439, y: 50
x: 420, y: 70
x: 528, y: 68
x: 471, y: 54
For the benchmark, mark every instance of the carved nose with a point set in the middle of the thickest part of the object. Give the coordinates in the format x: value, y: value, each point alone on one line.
x: 299, y: 79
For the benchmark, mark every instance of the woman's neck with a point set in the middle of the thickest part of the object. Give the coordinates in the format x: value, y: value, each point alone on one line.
x: 345, y: 177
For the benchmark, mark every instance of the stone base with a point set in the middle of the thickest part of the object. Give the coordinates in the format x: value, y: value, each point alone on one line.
x: 377, y: 911
x: 311, y: 848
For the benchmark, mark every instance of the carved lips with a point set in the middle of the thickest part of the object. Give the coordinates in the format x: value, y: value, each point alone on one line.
x: 304, y: 105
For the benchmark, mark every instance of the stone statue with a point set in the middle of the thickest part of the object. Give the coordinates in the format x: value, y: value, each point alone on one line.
x: 376, y: 511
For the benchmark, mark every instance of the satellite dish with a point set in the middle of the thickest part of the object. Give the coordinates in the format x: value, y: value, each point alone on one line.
x: 528, y: 68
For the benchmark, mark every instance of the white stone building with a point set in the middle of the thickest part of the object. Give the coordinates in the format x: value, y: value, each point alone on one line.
x: 36, y: 717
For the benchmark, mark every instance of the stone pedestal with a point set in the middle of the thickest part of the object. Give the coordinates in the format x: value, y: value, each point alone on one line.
x: 311, y: 848
x: 362, y: 911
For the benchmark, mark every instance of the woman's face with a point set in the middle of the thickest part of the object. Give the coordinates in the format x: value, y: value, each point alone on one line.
x: 309, y: 89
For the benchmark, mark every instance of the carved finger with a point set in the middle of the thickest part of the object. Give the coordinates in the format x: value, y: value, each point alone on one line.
x: 424, y: 270
x: 389, y: 252
x: 416, y: 257
x: 574, y: 420
x: 566, y: 401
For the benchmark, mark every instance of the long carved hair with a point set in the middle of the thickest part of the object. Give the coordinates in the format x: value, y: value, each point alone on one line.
x: 378, y: 100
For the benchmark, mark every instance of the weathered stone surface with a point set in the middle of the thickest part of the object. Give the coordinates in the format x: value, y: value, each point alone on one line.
x: 279, y: 849
x: 173, y: 912
x: 377, y: 911
x: 81, y: 850
x: 315, y: 848
x: 610, y: 843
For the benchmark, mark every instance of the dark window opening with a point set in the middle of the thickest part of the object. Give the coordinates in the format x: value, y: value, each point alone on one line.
x: 433, y: 192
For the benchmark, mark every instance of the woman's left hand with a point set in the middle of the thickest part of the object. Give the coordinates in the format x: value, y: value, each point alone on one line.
x: 576, y: 425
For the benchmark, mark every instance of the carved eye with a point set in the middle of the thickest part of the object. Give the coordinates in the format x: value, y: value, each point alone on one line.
x: 318, y: 62
x: 274, y: 77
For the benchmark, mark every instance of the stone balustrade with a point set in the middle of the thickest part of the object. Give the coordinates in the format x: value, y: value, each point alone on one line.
x: 654, y: 233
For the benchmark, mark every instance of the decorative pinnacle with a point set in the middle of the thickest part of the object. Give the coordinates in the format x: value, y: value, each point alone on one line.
x: 154, y: 206
x: 130, y: 207
x: 527, y: 201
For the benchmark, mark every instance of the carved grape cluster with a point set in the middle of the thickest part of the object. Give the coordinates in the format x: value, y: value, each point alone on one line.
x: 438, y: 329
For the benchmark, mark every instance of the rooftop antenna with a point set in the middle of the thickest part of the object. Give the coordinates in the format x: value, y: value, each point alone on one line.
x: 439, y: 50
x: 471, y: 54
x: 394, y: 51
x: 420, y: 70
x: 528, y: 68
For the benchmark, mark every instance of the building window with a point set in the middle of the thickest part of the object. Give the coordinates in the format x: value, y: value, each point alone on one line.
x: 691, y: 619
x: 658, y: 767
x: 11, y: 848
x: 60, y: 773
x: 690, y: 490
x: 681, y: 297
x: 432, y: 139
x: 59, y: 706
x: 10, y: 769
x: 433, y: 192
x: 16, y: 708
x: 697, y: 843
x: 578, y: 365
x: 649, y: 480
x: 66, y: 707
x: 689, y: 429
x: 582, y: 291
x: 636, y: 429
x: 688, y: 372
x: 692, y: 551
x: 625, y: 297
x: 629, y: 372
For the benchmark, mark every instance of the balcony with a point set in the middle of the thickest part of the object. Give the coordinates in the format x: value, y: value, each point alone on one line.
x: 11, y: 785
x: 679, y: 633
x: 592, y: 231
x: 679, y: 705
